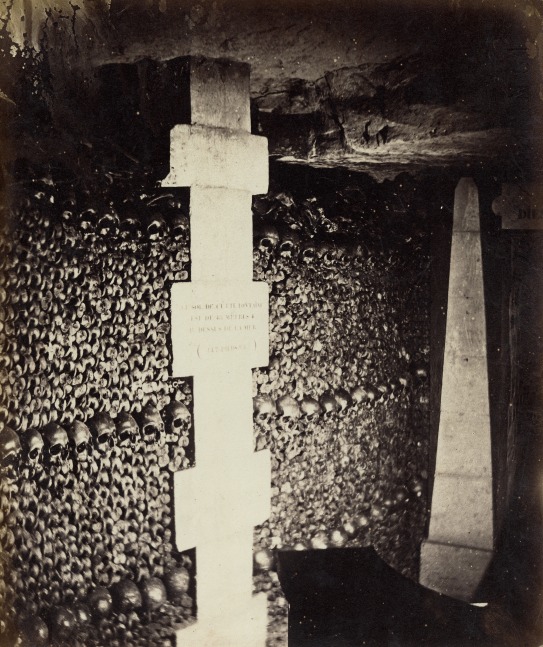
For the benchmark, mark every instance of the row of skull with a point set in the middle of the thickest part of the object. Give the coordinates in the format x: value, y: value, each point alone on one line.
x: 153, y: 216
x: 269, y: 242
x: 124, y: 600
x: 69, y: 307
x: 54, y: 443
x: 289, y: 409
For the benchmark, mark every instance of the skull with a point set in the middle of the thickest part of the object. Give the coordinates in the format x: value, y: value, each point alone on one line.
x: 56, y: 444
x: 80, y: 441
x: 33, y: 445
x: 309, y: 253
x: 404, y: 381
x: 359, y: 256
x: 289, y: 410
x: 264, y: 408
x: 87, y: 222
x: 359, y: 394
x: 178, y: 420
x: 343, y: 399
x: 152, y: 426
x: 127, y: 429
x: 328, y: 404
x: 10, y: 452
x: 180, y: 226
x: 103, y: 430
x: 156, y: 227
x: 108, y: 224
x: 130, y: 228
x: 310, y: 408
x: 290, y: 245
x: 383, y: 392
x: 328, y: 255
x: 267, y: 238
x: 126, y: 596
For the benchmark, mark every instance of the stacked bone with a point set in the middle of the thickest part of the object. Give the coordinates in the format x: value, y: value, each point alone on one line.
x: 77, y: 521
x: 84, y: 304
x: 343, y: 404
x: 83, y: 325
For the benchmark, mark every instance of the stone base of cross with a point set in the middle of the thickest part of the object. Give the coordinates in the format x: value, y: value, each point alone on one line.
x: 219, y: 330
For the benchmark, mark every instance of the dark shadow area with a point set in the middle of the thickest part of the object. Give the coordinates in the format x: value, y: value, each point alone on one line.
x: 348, y: 597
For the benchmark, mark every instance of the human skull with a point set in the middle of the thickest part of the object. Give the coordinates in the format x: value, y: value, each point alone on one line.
x: 309, y: 253
x: 372, y: 393
x: 289, y: 410
x: 290, y: 244
x: 264, y: 408
x: 383, y: 392
x: 156, y: 227
x: 311, y: 408
x: 180, y: 226
x: 80, y: 439
x: 10, y: 452
x: 130, y: 228
x: 359, y: 394
x: 343, y: 399
x: 178, y: 420
x: 103, y: 429
x: 327, y: 254
x: 360, y: 254
x: 56, y: 444
x: 328, y: 404
x: 267, y: 238
x: 88, y: 222
x: 127, y: 429
x: 33, y: 447
x: 152, y: 426
x: 108, y: 224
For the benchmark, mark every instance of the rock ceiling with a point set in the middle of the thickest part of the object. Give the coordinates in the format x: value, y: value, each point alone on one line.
x: 375, y: 87
x: 378, y: 87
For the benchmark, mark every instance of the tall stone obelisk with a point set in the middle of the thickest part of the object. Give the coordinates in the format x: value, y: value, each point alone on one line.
x: 460, y: 541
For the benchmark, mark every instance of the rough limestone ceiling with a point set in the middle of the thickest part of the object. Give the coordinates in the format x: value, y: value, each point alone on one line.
x: 379, y: 87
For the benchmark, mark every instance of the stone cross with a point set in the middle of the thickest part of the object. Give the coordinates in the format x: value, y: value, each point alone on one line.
x: 219, y: 324
x: 460, y: 541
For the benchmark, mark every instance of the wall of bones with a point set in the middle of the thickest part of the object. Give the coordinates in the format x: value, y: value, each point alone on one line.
x: 93, y: 427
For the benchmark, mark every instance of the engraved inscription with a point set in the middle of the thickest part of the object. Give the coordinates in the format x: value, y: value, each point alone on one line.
x: 208, y: 323
x: 519, y: 206
x: 531, y: 213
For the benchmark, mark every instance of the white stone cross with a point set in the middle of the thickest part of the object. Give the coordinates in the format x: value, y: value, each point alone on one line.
x: 219, y: 332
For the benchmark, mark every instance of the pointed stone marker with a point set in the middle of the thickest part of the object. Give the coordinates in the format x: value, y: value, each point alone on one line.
x: 219, y: 332
x: 460, y: 541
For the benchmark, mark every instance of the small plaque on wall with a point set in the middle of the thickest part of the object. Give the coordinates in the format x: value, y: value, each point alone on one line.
x: 520, y: 206
x: 213, y: 323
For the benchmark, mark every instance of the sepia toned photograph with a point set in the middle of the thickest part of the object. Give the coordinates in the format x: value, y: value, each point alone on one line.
x: 271, y: 323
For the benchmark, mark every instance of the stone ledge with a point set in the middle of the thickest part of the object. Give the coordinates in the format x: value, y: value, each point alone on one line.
x: 453, y: 570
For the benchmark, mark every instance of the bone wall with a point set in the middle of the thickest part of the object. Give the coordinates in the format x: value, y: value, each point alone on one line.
x: 344, y: 403
x: 85, y: 333
x: 89, y: 245
x: 84, y: 340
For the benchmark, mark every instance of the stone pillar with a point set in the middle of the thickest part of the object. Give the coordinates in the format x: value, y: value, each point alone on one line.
x: 219, y: 332
x: 460, y: 541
